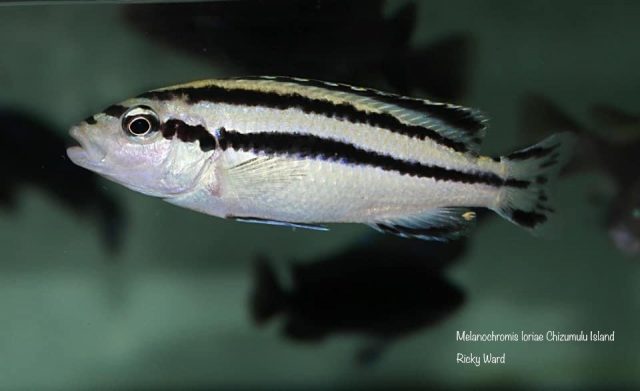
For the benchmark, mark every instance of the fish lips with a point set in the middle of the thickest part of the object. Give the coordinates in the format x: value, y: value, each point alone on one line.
x: 86, y: 154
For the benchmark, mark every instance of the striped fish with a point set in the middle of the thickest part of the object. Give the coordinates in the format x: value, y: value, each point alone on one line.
x: 301, y: 152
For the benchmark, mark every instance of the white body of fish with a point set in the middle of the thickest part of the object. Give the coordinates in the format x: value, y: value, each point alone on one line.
x: 300, y: 152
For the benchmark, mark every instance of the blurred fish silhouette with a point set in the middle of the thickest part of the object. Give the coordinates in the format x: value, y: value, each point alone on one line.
x: 34, y: 155
x: 347, y: 41
x: 383, y: 289
x: 612, y: 145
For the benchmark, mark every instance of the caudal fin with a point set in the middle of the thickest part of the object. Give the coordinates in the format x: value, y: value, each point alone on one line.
x: 524, y: 199
x: 268, y: 297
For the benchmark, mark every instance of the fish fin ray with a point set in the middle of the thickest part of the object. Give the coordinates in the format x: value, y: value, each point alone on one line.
x: 534, y: 168
x: 248, y: 177
x: 456, y: 123
x: 262, y: 174
x: 441, y: 224
x: 256, y: 220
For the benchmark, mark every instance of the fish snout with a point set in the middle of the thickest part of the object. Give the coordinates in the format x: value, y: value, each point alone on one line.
x: 87, y: 151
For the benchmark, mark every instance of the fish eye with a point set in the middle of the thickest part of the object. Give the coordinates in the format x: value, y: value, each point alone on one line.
x: 139, y: 121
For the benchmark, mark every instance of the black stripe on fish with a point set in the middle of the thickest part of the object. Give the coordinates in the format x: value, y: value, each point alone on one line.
x: 309, y: 146
x: 91, y: 120
x: 457, y: 117
x: 520, y: 183
x: 533, y: 152
x: 188, y: 133
x: 552, y: 160
x: 275, y: 100
x: 115, y: 111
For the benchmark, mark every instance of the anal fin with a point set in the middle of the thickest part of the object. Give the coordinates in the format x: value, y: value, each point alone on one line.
x: 434, y: 224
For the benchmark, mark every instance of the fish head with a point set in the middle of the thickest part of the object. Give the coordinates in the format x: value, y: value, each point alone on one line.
x: 128, y: 143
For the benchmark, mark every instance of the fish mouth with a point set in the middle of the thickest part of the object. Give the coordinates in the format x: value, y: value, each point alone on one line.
x: 85, y: 153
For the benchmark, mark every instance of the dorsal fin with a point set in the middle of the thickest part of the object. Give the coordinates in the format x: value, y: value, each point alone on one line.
x: 453, y: 122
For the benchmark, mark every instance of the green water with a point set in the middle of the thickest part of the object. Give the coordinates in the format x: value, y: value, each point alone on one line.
x: 169, y: 310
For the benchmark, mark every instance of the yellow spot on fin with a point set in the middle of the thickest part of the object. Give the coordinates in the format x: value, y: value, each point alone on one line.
x: 470, y: 215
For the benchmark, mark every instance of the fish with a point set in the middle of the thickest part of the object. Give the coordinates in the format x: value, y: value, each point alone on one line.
x: 50, y: 172
x: 305, y: 153
x: 382, y: 290
x: 609, y: 144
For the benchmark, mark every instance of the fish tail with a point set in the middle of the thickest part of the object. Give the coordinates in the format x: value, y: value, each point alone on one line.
x: 524, y: 198
x: 268, y: 297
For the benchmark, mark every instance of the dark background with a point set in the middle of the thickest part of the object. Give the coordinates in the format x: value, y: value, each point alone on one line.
x: 169, y: 308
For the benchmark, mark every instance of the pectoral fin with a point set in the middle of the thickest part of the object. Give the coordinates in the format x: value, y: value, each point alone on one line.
x: 255, y: 175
